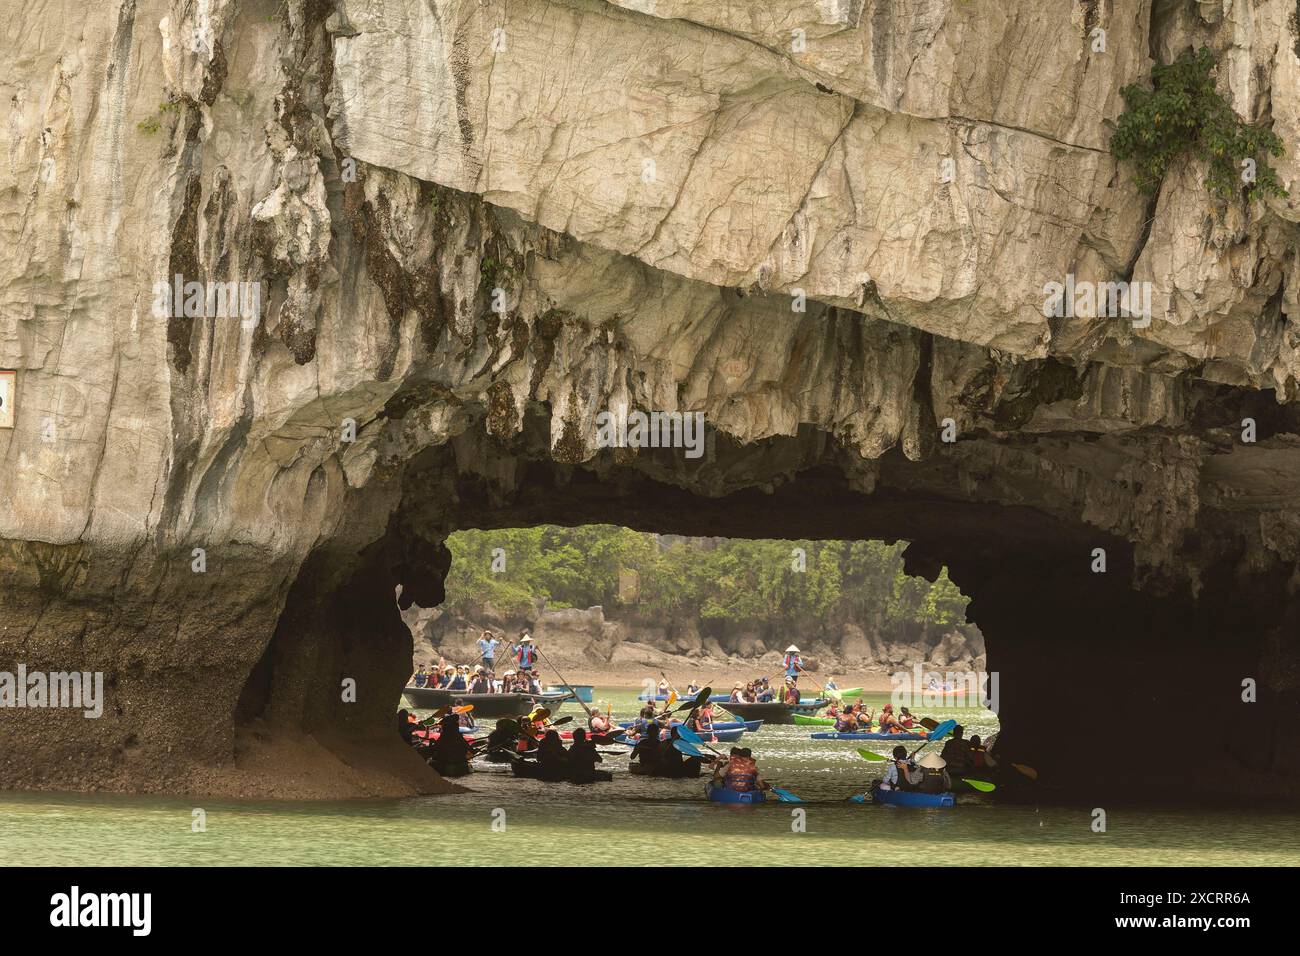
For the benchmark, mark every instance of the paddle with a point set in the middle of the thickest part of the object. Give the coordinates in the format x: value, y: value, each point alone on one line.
x: 580, y: 701
x: 983, y: 786
x: 1029, y: 772
x: 785, y: 796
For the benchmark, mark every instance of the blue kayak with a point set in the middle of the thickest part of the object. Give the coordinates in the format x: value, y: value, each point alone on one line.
x: 910, y: 798
x: 747, y: 725
x: 720, y: 737
x: 833, y: 735
x: 723, y: 795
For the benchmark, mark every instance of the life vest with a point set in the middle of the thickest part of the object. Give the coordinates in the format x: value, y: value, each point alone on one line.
x: 527, y: 655
x: 742, y: 774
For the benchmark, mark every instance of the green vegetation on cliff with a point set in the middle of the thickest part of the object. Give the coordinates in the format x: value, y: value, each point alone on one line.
x: 735, y: 581
x: 1183, y: 114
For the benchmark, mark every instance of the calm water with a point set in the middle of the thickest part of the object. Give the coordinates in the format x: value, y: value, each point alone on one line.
x: 635, y: 821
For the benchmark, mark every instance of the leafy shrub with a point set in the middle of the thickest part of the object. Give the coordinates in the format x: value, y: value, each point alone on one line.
x: 1183, y: 114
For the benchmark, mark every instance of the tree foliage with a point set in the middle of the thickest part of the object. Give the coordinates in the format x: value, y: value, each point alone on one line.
x: 734, y: 581
x: 1182, y: 114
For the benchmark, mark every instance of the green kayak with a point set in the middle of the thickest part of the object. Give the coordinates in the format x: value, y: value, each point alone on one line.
x: 848, y: 691
x: 814, y: 721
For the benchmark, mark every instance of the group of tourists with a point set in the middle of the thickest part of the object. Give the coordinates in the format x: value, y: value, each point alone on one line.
x: 482, y: 678
x: 933, y: 772
x: 858, y: 719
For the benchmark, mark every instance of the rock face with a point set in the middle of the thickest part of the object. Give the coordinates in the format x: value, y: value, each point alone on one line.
x: 459, y: 230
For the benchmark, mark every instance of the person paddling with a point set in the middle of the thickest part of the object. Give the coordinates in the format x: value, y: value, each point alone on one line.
x: 900, y: 774
x: 889, y: 724
x: 450, y: 747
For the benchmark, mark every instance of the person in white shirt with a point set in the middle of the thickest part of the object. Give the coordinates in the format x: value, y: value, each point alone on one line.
x: 900, y: 775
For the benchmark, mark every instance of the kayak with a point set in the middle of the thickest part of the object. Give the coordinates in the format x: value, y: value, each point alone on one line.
x: 532, y: 770
x: 723, y: 795
x: 846, y: 691
x: 748, y: 725
x: 838, y: 736
x: 813, y: 721
x: 719, y: 737
x: 910, y: 798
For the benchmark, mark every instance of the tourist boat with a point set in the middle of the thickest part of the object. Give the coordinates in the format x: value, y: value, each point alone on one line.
x: 585, y: 692
x: 774, y: 712
x: 723, y: 795
x: 838, y: 736
x: 485, y: 705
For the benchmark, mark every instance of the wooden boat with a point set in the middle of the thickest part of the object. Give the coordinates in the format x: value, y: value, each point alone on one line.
x: 774, y: 713
x: 485, y: 705
x: 585, y: 692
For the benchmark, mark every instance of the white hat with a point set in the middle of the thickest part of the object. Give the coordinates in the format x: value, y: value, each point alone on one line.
x: 525, y: 640
x: 508, y: 674
x: 792, y: 648
x: 932, y: 762
x: 478, y: 668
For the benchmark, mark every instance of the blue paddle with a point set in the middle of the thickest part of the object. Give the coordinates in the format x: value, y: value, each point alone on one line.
x: 785, y: 796
x: 689, y: 749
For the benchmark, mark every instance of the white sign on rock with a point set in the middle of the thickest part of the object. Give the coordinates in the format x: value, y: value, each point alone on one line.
x: 7, y: 391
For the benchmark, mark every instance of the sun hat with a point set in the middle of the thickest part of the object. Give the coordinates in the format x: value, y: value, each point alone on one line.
x: 792, y: 648
x: 932, y: 762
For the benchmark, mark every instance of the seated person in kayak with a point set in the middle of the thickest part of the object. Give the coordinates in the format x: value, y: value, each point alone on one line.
x: 906, y: 719
x: 598, y: 722
x: 957, y: 751
x: 934, y: 774
x: 739, y: 772
x: 582, y: 756
x: 551, y: 753
x: 407, y: 725
x: 901, y: 774
x: 646, y: 750
x: 981, y: 759
x: 504, y: 736
x: 889, y: 723
x: 450, y: 747
x: 701, y: 721
x: 847, y: 722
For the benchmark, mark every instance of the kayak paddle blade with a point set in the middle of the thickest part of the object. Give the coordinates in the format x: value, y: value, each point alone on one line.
x: 983, y: 786
x: 686, y: 748
x: 785, y: 796
x: 872, y: 755
x: 943, y: 730
x: 857, y: 798
x: 929, y: 723
x: 688, y: 735
x: 1029, y: 772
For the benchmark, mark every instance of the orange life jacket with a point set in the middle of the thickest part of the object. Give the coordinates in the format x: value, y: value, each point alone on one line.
x: 742, y: 774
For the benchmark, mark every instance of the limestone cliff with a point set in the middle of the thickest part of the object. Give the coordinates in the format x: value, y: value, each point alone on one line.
x: 472, y: 225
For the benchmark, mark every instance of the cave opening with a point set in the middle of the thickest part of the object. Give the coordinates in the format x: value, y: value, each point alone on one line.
x: 1074, y: 646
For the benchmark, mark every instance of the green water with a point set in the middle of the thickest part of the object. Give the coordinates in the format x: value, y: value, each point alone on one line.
x: 635, y: 821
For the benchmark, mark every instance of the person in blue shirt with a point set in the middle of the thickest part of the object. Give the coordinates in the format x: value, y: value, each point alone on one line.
x: 487, y: 651
x: 793, y: 662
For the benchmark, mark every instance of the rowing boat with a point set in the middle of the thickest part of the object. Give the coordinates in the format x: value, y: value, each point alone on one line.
x: 911, y: 798
x: 585, y: 692
x: 838, y: 736
x: 774, y: 712
x: 485, y: 705
x: 723, y: 795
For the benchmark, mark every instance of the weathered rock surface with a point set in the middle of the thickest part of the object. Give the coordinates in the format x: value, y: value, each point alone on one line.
x: 648, y: 192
